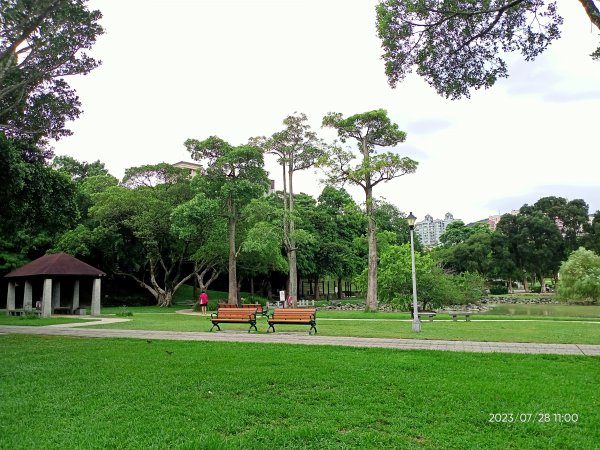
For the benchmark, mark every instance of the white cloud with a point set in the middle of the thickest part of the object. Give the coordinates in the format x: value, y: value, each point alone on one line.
x: 235, y: 69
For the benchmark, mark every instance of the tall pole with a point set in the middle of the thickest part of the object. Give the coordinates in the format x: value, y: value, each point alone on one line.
x: 416, y: 323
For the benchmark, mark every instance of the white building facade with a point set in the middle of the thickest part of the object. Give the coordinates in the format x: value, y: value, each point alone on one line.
x: 429, y: 230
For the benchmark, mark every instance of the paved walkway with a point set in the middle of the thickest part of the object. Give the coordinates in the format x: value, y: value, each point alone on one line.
x: 303, y: 338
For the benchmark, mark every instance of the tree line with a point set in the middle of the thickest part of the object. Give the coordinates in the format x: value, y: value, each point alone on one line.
x: 529, y: 245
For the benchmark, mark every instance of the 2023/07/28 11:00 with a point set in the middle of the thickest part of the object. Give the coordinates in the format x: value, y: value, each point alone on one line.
x: 533, y: 417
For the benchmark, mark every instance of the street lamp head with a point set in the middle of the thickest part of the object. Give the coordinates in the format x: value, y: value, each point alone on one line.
x: 411, y: 220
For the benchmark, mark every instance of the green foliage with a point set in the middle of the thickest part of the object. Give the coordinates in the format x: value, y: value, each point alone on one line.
x: 498, y: 290
x: 458, y: 45
x: 591, y: 240
x: 580, y: 277
x: 42, y: 42
x: 38, y: 203
x: 435, y: 288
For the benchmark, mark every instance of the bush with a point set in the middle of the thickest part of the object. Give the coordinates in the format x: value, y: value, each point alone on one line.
x: 498, y: 290
x: 580, y: 277
x: 435, y: 288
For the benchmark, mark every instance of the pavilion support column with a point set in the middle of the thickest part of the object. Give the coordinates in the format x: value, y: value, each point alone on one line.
x: 96, y: 298
x: 47, y: 298
x: 10, y: 297
x: 75, y: 302
x: 56, y: 295
x: 28, y: 297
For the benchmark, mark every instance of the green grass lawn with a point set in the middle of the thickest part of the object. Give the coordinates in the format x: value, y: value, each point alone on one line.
x: 61, y: 393
x: 548, y: 331
x: 31, y: 321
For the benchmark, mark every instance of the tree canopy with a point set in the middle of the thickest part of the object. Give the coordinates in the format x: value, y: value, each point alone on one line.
x: 460, y: 45
x: 41, y: 42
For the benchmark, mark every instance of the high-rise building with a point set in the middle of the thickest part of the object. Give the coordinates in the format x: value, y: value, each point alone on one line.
x: 429, y: 230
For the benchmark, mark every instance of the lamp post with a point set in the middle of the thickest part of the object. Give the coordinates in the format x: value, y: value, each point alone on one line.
x: 416, y: 323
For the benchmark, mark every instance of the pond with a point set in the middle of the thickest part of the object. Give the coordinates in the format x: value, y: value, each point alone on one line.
x: 553, y: 310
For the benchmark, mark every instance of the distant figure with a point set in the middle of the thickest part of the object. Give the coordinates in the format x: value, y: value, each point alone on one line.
x: 203, y: 302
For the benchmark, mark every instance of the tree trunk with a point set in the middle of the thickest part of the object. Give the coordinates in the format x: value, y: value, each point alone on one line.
x: 339, y: 289
x: 164, y: 298
x: 542, y: 284
x: 317, y: 293
x: 232, y: 297
x: 371, y: 301
x: 252, y: 286
x: 525, y: 283
x: 292, y: 263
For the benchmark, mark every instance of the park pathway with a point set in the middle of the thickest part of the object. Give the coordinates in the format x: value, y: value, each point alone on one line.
x: 81, y: 330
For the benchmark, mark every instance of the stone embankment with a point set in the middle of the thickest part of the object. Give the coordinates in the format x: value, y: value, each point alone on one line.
x: 482, y: 305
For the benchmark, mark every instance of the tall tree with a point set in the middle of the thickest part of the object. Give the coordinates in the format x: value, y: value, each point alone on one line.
x: 591, y: 240
x: 234, y: 176
x: 459, y: 45
x: 146, y: 246
x: 41, y: 42
x: 534, y: 242
x: 298, y: 148
x: 571, y: 217
x: 370, y: 130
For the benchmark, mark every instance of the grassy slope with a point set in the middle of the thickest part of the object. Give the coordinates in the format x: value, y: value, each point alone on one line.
x: 83, y: 393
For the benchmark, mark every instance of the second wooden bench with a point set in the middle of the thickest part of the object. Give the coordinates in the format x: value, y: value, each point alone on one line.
x: 296, y: 316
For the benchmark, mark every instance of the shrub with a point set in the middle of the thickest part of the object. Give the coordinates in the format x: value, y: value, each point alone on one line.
x: 498, y: 290
x: 435, y: 288
x: 580, y: 277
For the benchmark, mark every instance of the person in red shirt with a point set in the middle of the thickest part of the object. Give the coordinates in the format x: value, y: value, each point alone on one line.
x: 203, y: 302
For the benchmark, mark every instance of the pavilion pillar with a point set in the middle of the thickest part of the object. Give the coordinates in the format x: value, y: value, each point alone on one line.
x: 75, y: 302
x: 10, y: 297
x: 28, y: 297
x: 47, y: 298
x: 56, y: 295
x: 96, y: 298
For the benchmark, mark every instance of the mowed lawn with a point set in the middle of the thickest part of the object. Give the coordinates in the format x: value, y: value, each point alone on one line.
x: 385, y: 325
x: 58, y: 392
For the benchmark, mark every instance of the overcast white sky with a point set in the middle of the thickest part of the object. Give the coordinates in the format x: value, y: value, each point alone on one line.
x: 191, y: 69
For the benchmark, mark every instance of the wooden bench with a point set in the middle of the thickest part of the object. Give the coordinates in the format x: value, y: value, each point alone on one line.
x: 234, y: 315
x: 455, y: 314
x: 258, y: 307
x: 297, y: 316
x: 429, y: 315
x: 227, y: 305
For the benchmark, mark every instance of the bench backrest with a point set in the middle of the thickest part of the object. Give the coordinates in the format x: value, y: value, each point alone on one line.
x: 257, y: 306
x: 294, y: 313
x: 227, y: 305
x: 236, y: 313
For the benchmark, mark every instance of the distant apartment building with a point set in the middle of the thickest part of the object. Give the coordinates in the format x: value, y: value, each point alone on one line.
x: 429, y: 230
x: 493, y: 220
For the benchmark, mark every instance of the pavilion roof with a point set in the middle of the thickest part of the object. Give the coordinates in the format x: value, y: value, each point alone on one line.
x: 56, y: 264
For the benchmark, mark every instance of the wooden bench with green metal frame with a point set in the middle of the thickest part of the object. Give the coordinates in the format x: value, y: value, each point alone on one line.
x: 234, y: 315
x: 296, y: 316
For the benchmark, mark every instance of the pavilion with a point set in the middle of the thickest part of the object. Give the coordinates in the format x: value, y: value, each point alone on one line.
x: 53, y: 269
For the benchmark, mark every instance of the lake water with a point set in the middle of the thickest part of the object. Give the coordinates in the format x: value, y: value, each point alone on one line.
x: 553, y: 310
